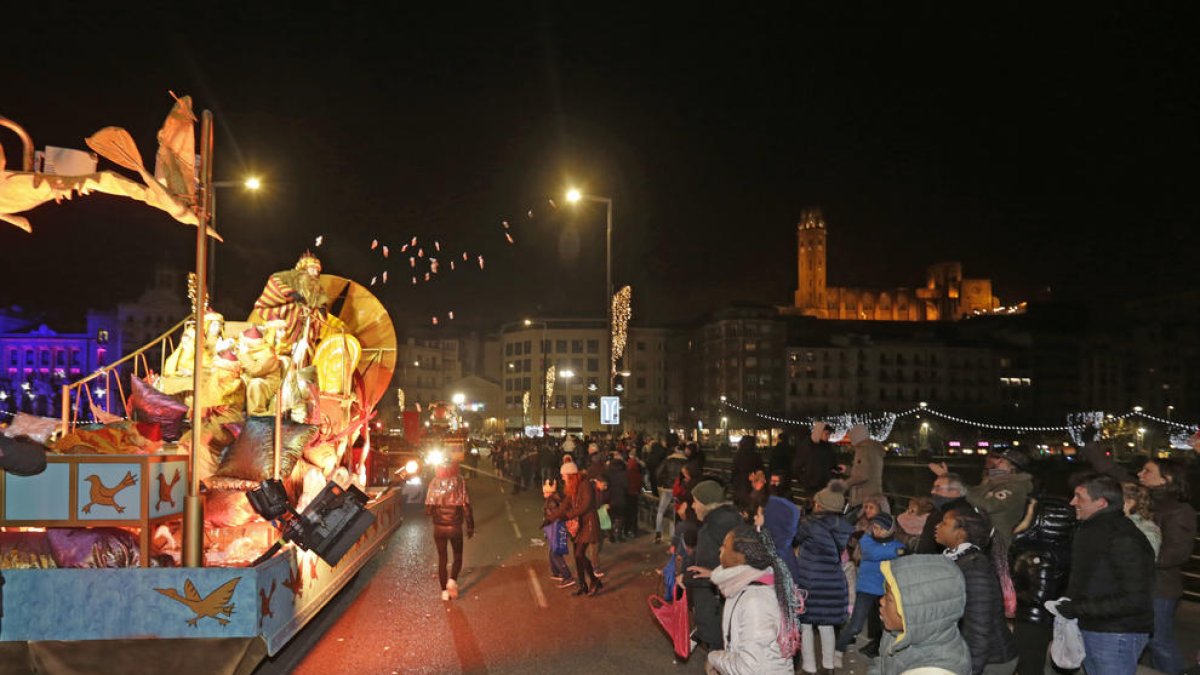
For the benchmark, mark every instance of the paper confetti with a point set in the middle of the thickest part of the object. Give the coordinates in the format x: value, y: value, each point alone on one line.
x: 413, y: 242
x: 451, y: 265
x: 420, y: 253
x: 504, y: 223
x: 437, y: 245
x: 433, y: 265
x: 385, y: 251
x: 464, y: 256
x: 552, y: 204
x: 480, y: 262
x: 508, y: 237
x: 414, y: 281
x: 435, y: 320
x: 427, y: 276
x: 412, y: 262
x: 451, y: 315
x: 374, y: 244
x: 404, y: 248
x: 320, y: 240
x: 530, y: 214
x: 385, y: 277
x: 373, y: 280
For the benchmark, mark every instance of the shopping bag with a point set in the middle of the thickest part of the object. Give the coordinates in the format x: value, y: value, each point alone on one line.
x: 559, y: 545
x: 1066, y: 650
x: 605, y: 519
x: 673, y: 617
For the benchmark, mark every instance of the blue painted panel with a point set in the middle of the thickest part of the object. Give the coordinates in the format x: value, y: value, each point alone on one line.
x: 109, y: 491
x: 101, y: 604
x: 168, y: 485
x: 45, y: 496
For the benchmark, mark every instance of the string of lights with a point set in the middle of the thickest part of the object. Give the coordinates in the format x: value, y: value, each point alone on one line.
x: 1076, y: 421
x: 622, y: 312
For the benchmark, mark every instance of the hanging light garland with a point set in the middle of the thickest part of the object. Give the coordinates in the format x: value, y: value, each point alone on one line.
x: 622, y: 312
x: 881, y: 423
x: 400, y: 398
x: 525, y: 404
x: 550, y: 382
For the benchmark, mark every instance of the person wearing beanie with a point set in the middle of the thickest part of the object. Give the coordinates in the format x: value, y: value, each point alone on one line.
x: 559, y: 570
x: 822, y: 537
x: 717, y: 518
x: 922, y: 603
x: 578, y: 510
x: 877, y: 545
x: 866, y: 474
x: 816, y: 459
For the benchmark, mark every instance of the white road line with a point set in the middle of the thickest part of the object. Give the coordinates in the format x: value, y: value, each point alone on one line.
x: 536, y: 585
x: 511, y: 519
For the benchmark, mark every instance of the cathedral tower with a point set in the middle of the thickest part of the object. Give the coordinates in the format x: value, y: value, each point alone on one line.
x: 810, y: 293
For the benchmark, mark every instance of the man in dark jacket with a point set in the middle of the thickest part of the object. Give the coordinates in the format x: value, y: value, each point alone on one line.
x: 1112, y: 580
x: 668, y: 471
x: 947, y: 492
x: 717, y: 517
x: 966, y: 534
x: 746, y: 461
x: 815, y: 460
x: 654, y: 457
x: 779, y: 466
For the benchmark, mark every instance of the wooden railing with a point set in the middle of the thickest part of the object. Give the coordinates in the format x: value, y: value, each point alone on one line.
x: 74, y: 394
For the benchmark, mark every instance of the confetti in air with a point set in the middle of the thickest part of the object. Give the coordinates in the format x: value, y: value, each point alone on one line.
x: 508, y: 237
x: 451, y: 265
x: 320, y: 240
x: 552, y: 204
x: 504, y: 223
x: 404, y: 248
x: 480, y: 262
x: 413, y: 242
x: 414, y: 281
x: 374, y: 244
x: 427, y: 276
x: 437, y: 246
x: 464, y: 256
x: 385, y: 251
x: 451, y: 315
x: 420, y: 253
x: 530, y: 214
x: 412, y: 262
x: 435, y: 320
x: 373, y: 280
x: 385, y: 277
x: 433, y: 265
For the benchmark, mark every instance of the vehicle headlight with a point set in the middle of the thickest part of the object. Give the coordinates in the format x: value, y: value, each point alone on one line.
x: 411, y: 467
x: 435, y: 458
x: 415, y: 480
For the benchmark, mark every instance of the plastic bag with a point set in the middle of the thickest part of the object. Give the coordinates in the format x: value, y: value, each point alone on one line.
x: 605, y: 519
x: 560, y: 538
x: 673, y: 617
x: 1066, y: 650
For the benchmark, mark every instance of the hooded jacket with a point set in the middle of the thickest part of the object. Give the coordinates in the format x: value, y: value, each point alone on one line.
x: 781, y: 518
x: 930, y: 596
x: 822, y: 538
x: 983, y: 625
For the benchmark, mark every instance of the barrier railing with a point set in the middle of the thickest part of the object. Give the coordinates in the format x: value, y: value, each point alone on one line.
x: 75, y: 393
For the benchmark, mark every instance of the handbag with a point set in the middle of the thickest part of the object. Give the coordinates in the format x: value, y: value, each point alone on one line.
x: 605, y: 519
x: 673, y: 617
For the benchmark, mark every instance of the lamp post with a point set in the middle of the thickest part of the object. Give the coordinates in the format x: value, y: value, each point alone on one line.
x: 567, y: 375
x: 252, y: 184
x: 575, y: 196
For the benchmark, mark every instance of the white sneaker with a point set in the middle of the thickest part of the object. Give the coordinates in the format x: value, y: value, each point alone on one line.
x: 446, y: 596
x: 452, y: 589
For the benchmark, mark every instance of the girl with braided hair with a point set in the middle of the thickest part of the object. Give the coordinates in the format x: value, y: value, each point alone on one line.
x: 759, y: 619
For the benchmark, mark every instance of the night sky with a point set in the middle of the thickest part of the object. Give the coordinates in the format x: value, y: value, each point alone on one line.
x: 1041, y: 150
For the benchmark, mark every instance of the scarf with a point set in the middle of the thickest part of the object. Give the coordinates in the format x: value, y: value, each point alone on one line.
x: 733, y: 580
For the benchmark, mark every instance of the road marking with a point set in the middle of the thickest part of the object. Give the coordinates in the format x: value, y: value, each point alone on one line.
x: 511, y: 519
x: 536, y: 585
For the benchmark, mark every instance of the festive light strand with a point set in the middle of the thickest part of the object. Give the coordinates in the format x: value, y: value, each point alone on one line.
x: 622, y: 312
x: 550, y: 372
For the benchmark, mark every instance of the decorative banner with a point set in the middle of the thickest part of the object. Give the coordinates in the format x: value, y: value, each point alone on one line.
x: 622, y: 312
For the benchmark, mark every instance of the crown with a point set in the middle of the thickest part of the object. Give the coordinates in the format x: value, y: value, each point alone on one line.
x: 308, y: 260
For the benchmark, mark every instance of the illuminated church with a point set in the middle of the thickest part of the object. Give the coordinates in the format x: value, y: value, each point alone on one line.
x: 946, y: 296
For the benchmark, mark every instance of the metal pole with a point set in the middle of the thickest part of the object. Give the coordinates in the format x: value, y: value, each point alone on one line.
x: 608, y: 292
x: 212, y: 251
x: 545, y: 394
x: 193, y: 507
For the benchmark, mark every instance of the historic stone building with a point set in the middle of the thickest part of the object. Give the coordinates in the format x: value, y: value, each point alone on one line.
x: 946, y: 295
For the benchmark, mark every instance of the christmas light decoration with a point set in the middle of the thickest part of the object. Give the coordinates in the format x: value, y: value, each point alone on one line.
x: 525, y: 404
x: 1077, y: 422
x: 622, y: 312
x: 400, y: 398
x: 550, y: 382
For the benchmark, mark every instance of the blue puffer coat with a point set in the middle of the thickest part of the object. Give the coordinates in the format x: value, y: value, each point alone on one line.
x: 822, y: 538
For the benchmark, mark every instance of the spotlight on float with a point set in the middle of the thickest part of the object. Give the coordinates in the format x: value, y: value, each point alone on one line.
x: 435, y: 458
x: 329, y: 526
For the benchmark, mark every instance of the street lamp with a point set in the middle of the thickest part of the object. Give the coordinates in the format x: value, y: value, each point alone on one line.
x: 252, y: 184
x: 574, y: 196
x: 567, y: 375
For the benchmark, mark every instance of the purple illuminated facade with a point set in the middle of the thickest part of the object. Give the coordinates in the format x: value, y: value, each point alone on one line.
x: 35, y: 364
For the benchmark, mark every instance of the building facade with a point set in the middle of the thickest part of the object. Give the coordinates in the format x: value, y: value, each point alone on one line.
x: 946, y: 295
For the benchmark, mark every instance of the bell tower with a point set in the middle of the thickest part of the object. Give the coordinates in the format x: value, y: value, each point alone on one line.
x: 810, y: 293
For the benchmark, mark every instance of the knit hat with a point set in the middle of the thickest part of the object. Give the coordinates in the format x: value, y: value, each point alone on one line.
x: 833, y: 497
x: 1017, y: 457
x: 818, y: 430
x: 884, y: 520
x: 708, y: 492
x: 567, y: 469
x: 858, y: 433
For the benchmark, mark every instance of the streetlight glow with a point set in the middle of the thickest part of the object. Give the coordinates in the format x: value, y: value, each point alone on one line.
x: 566, y: 374
x: 528, y: 322
x: 252, y: 183
x: 573, y: 195
x: 459, y: 398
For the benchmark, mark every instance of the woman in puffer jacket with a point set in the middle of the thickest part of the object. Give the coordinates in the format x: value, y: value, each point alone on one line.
x: 449, y: 505
x: 1041, y: 564
x: 759, y: 619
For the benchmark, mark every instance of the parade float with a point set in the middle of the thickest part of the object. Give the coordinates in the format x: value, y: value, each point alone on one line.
x: 201, y: 524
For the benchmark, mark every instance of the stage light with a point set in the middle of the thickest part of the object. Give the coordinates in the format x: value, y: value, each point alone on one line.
x: 329, y: 526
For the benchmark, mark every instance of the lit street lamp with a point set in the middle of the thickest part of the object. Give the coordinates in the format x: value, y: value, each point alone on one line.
x: 575, y: 196
x: 253, y: 183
